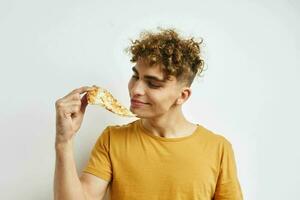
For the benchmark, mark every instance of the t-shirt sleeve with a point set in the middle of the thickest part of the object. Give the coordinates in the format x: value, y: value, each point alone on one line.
x: 99, y: 163
x: 228, y: 186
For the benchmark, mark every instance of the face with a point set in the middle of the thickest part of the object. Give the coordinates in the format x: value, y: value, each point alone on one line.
x: 158, y: 96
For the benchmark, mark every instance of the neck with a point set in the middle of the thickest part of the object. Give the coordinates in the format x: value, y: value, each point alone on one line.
x: 171, y: 125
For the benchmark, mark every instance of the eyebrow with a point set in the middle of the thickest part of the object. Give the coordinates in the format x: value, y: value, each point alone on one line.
x: 149, y: 76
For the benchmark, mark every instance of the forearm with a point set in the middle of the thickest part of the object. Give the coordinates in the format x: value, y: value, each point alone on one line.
x: 67, y: 185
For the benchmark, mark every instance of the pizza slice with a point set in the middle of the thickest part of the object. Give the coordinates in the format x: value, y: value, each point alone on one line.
x: 102, y: 97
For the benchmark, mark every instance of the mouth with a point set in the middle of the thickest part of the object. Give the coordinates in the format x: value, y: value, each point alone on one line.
x: 136, y: 103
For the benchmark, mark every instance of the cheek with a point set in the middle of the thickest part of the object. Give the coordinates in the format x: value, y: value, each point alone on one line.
x: 129, y: 85
x: 162, y: 100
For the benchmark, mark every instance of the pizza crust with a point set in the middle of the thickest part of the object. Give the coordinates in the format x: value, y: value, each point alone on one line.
x: 102, y: 97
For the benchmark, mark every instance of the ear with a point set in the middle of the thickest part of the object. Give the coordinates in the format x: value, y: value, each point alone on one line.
x: 186, y: 92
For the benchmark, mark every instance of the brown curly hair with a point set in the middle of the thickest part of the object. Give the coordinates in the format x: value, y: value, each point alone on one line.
x: 179, y: 57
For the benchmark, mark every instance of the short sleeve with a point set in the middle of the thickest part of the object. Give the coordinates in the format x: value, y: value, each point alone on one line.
x: 228, y: 186
x: 99, y: 163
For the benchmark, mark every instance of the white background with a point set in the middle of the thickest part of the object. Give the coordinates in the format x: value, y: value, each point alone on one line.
x: 249, y: 92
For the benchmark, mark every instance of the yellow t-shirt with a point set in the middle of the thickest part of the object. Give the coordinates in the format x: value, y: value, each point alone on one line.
x: 143, y: 166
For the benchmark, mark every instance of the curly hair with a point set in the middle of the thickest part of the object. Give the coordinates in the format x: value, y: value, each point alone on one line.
x: 176, y: 56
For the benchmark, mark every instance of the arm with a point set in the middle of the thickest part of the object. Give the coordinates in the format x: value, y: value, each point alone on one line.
x: 228, y: 186
x: 94, y: 187
x: 67, y: 185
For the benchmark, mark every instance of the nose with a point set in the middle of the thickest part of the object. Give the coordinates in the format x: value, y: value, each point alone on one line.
x: 137, y: 88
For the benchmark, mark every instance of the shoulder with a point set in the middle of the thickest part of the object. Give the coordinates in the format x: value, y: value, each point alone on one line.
x: 121, y: 128
x: 214, y: 137
x: 115, y: 131
x: 218, y: 143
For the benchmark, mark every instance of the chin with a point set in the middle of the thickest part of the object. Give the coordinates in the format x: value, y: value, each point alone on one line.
x: 138, y: 113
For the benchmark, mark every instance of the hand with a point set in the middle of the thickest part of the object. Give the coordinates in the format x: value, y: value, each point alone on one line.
x: 69, y: 114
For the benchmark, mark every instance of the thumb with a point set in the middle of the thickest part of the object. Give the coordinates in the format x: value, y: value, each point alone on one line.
x: 84, y: 103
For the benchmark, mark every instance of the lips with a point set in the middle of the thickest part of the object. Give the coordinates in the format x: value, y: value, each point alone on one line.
x: 137, y: 101
x: 138, y: 104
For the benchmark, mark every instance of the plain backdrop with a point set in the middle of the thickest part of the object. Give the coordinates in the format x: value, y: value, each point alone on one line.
x: 249, y: 92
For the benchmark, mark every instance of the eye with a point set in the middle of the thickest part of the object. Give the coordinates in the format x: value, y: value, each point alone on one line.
x: 134, y: 77
x: 150, y: 84
x: 153, y: 85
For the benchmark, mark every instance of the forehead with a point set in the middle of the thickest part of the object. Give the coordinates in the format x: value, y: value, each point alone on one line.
x: 145, y: 69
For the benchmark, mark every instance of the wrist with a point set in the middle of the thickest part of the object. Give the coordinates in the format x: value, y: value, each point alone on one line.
x: 63, y: 144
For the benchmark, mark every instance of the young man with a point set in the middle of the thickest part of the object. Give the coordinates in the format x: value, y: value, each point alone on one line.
x: 161, y: 156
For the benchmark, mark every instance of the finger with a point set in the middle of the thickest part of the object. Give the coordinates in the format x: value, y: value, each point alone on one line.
x: 75, y: 94
x: 84, y: 103
x: 70, y: 110
x: 81, y: 90
x: 73, y: 102
x: 70, y: 97
x: 80, y: 104
x: 63, y: 105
